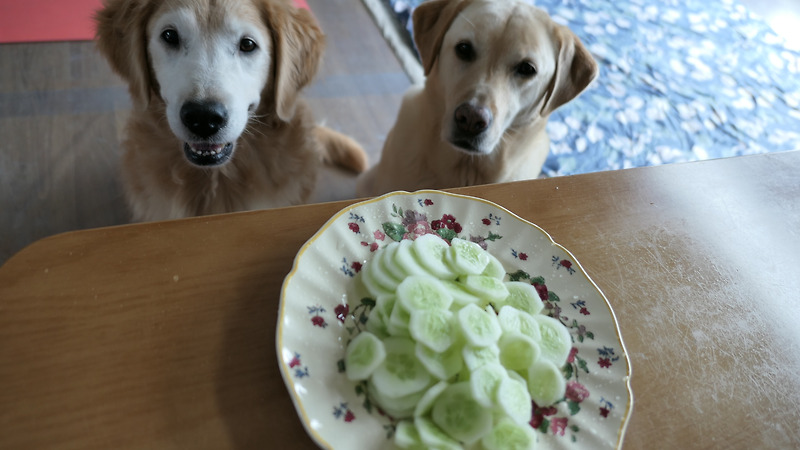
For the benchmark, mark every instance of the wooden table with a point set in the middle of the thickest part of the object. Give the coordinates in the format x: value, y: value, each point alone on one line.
x: 161, y: 335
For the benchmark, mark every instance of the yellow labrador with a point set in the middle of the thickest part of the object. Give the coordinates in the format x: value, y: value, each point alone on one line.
x: 495, y: 70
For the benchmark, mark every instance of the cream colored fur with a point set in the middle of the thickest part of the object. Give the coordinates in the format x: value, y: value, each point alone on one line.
x: 426, y: 149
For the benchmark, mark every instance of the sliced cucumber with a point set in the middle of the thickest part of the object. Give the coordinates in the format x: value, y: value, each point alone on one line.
x: 377, y: 323
x: 374, y: 289
x: 480, y: 328
x: 475, y: 357
x: 460, y: 295
x: 515, y: 400
x: 490, y: 289
x: 397, y: 325
x: 442, y: 365
x: 524, y: 297
x: 459, y: 415
x: 387, y: 262
x: 454, y: 346
x: 494, y: 269
x: 466, y: 257
x: 507, y: 435
x: 546, y: 383
x: 423, y: 292
x: 401, y: 373
x: 407, y: 436
x: 433, y: 436
x: 405, y: 258
x: 518, y: 375
x: 363, y: 355
x: 384, y: 304
x: 430, y: 250
x: 484, y: 382
x: 556, y: 341
x: 426, y: 402
x: 433, y: 328
x: 512, y: 320
x: 517, y: 351
x: 401, y: 407
x: 381, y: 272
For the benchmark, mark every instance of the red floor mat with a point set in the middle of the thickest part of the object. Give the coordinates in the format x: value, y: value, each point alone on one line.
x: 52, y: 20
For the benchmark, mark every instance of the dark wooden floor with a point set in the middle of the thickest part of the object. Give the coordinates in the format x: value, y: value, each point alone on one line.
x: 62, y: 113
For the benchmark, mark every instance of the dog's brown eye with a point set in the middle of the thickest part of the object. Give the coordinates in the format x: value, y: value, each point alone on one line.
x: 525, y: 69
x: 465, y: 52
x: 171, y: 38
x: 247, y: 45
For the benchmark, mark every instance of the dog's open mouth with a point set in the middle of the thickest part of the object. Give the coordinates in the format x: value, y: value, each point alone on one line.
x: 465, y: 145
x: 206, y: 154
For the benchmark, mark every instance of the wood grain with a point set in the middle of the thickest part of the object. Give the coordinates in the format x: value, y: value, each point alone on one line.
x: 162, y: 335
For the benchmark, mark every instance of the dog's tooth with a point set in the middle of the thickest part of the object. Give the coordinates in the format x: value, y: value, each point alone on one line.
x: 208, y: 149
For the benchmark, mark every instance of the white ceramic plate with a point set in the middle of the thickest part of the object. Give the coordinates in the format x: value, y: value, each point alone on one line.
x: 315, y: 321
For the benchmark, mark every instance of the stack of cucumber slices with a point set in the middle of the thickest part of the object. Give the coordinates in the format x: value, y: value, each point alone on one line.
x: 453, y: 351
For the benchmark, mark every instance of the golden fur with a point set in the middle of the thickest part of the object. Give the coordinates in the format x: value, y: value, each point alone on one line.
x: 495, y: 70
x: 273, y: 160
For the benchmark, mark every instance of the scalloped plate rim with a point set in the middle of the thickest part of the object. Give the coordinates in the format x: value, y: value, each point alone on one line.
x: 289, y: 382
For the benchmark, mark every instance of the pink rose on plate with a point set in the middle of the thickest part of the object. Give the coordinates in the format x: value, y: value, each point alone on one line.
x: 417, y: 229
x: 558, y: 425
x: 576, y: 392
x: 572, y: 353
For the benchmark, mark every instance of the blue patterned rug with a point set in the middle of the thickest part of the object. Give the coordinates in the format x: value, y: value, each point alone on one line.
x: 680, y: 80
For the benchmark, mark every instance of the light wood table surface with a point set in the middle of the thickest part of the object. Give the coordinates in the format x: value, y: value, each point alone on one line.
x: 161, y: 335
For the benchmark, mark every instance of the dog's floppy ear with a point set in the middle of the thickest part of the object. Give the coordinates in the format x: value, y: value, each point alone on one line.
x: 431, y: 21
x: 297, y: 46
x: 575, y: 69
x: 122, y: 38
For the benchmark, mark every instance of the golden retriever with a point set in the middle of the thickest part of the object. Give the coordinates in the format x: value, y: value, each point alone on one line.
x: 217, y: 125
x: 495, y: 70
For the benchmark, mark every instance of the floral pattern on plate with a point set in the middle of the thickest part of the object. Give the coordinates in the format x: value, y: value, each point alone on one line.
x: 320, y: 313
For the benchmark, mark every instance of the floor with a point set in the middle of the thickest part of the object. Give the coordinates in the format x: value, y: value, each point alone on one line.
x: 62, y: 112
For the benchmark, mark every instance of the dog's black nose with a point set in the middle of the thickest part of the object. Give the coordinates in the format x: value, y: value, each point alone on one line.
x: 204, y: 119
x: 472, y: 120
